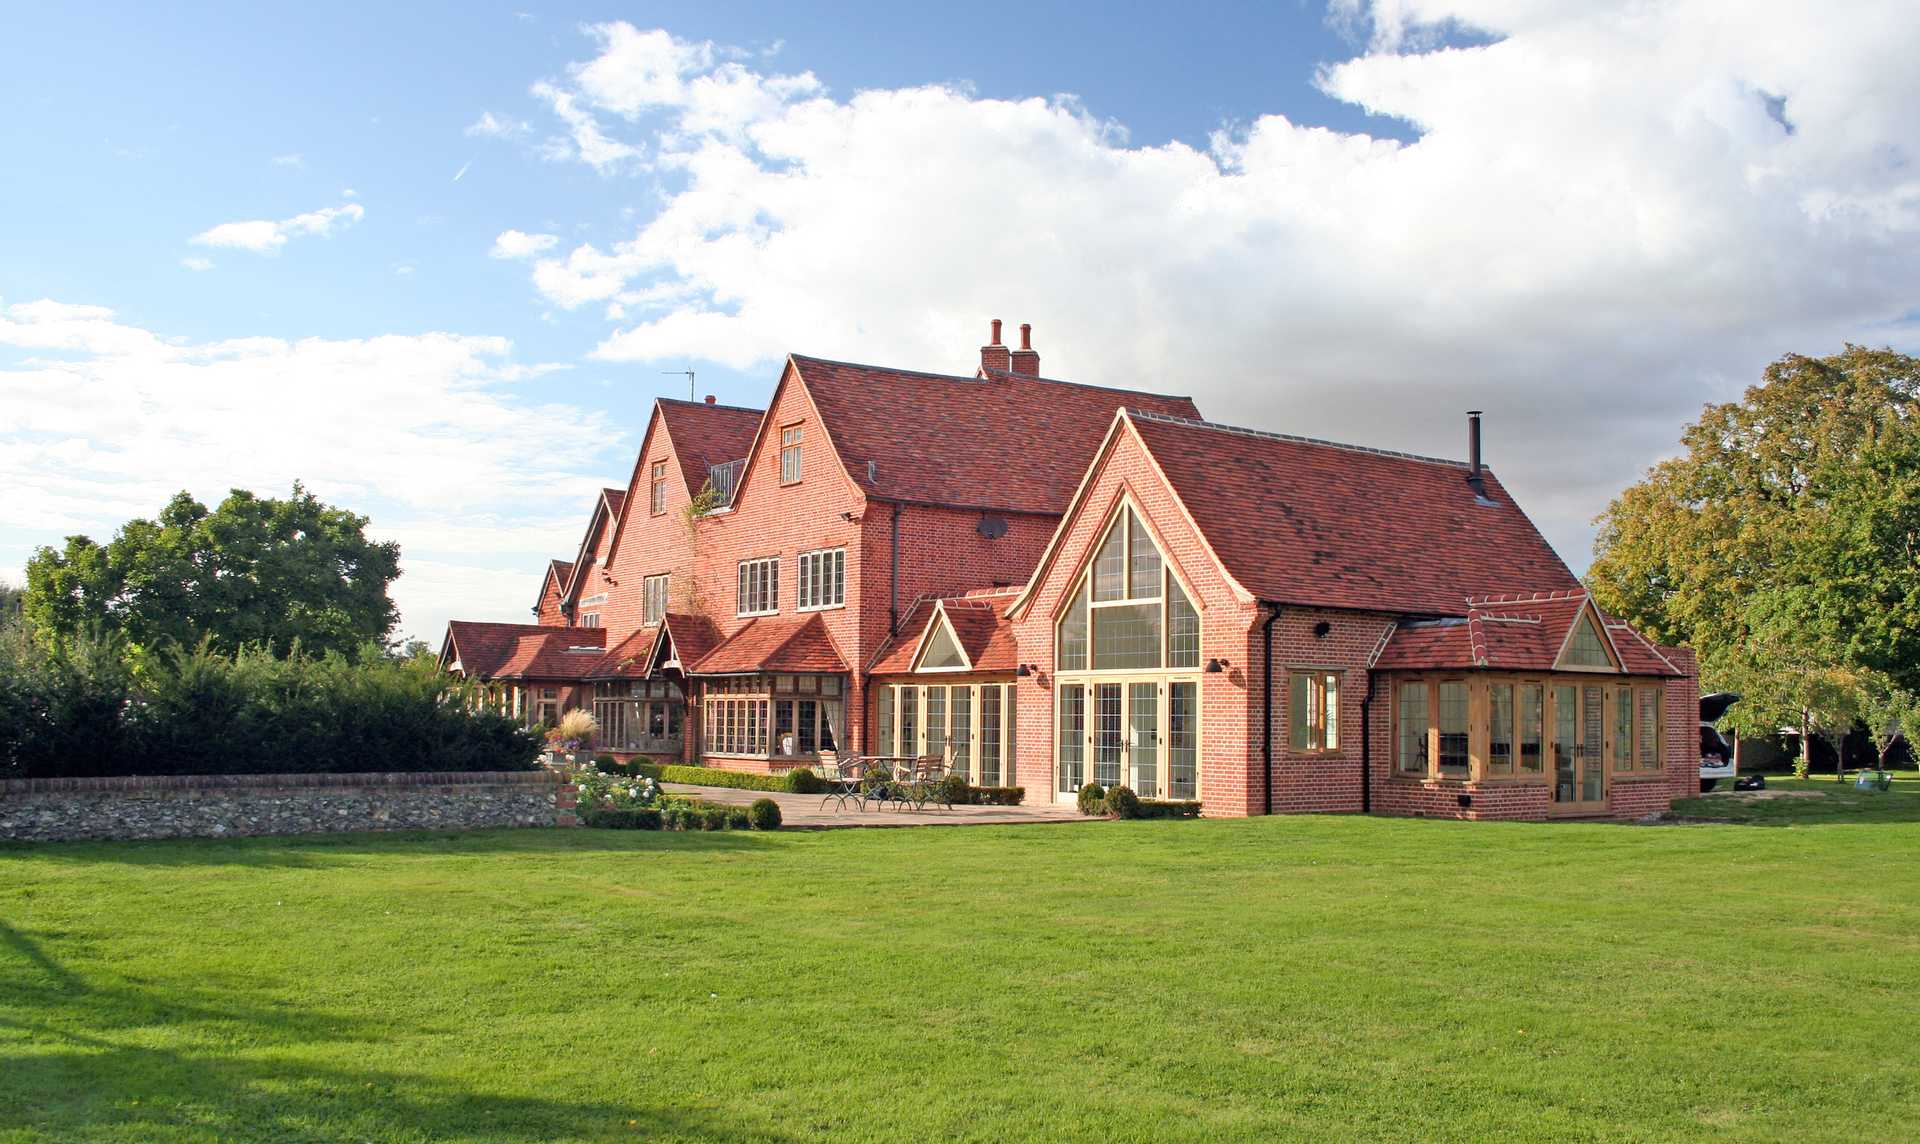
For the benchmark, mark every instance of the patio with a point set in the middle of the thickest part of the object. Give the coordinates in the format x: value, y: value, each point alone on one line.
x: 806, y: 810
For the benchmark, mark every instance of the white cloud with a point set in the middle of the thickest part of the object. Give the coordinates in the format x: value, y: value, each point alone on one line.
x: 431, y: 434
x: 194, y: 262
x: 295, y: 161
x: 265, y: 237
x: 1600, y: 227
x: 491, y: 126
x: 516, y: 244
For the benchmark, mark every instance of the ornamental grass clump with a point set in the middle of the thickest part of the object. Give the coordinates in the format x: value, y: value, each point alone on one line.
x: 574, y: 731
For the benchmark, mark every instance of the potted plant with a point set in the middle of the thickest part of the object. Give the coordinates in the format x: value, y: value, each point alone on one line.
x: 571, y: 740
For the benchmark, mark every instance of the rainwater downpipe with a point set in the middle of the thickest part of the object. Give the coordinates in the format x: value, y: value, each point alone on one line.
x: 1366, y: 745
x: 1266, y: 709
x: 893, y: 577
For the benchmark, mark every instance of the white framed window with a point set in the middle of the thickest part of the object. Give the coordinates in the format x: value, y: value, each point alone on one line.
x: 590, y: 620
x: 758, y: 593
x: 721, y: 479
x: 657, y: 488
x: 654, y: 601
x: 790, y: 455
x: 823, y: 580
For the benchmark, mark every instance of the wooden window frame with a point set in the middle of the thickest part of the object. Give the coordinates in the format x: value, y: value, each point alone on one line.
x: 769, y: 568
x: 1325, y: 679
x: 1122, y: 519
x: 657, y: 489
x: 790, y: 447
x: 1479, y: 725
x: 833, y: 580
x: 648, y: 615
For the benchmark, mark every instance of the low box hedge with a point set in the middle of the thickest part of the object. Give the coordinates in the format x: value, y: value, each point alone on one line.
x: 1158, y: 808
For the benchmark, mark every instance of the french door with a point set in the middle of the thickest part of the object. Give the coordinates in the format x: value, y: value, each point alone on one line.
x: 1141, y: 733
x: 1579, y: 749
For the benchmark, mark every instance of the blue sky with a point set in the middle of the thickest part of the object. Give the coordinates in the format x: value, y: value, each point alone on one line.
x: 433, y: 259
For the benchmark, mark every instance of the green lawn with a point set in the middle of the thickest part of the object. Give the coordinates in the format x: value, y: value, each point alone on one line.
x: 1326, y: 978
x: 1788, y: 801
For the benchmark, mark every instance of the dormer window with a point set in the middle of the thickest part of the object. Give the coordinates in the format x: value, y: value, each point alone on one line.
x: 721, y: 478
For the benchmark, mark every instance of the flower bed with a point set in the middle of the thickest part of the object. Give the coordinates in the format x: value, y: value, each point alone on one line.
x: 613, y: 801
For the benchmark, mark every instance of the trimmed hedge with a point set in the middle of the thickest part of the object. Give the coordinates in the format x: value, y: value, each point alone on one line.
x: 1121, y: 802
x: 996, y: 795
x: 764, y: 814
x: 1160, y: 808
x: 639, y: 818
x: 800, y: 780
x: 1092, y: 800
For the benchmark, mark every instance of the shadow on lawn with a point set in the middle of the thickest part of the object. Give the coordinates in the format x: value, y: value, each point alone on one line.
x: 78, y: 1060
x: 321, y: 850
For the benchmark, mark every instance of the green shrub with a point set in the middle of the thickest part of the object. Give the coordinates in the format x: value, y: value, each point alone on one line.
x: 875, y: 778
x: 715, y: 818
x: 1093, y: 799
x: 996, y: 795
x: 607, y: 762
x: 802, y: 780
x: 638, y: 818
x: 1121, y: 802
x: 952, y: 791
x: 79, y: 710
x: 1156, y: 808
x: 764, y: 814
x: 679, y: 815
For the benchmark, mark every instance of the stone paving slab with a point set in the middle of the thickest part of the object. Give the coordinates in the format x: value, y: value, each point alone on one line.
x: 805, y: 810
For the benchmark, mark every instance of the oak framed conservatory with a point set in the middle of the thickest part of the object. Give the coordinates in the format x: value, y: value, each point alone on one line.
x: 1574, y: 732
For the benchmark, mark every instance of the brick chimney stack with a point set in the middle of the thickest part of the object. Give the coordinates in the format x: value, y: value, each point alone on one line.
x: 1026, y: 359
x: 993, y: 355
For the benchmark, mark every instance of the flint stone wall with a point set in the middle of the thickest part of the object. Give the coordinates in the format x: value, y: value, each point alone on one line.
x: 221, y: 806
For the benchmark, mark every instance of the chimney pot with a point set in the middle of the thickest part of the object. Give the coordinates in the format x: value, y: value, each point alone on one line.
x: 1025, y: 360
x: 995, y: 339
x: 710, y: 400
x: 1026, y: 335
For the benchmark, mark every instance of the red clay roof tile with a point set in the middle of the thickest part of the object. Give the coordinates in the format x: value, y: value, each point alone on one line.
x: 1315, y: 523
x: 773, y: 643
x: 523, y: 651
x: 1006, y: 442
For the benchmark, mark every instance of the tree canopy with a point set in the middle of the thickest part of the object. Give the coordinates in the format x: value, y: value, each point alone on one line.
x: 256, y: 571
x: 1781, y: 544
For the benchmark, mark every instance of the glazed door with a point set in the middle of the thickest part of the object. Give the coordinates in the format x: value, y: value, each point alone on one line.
x: 1143, y: 739
x: 1109, y: 732
x: 1579, y: 750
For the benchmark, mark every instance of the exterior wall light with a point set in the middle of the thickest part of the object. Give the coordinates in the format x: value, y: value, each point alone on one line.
x: 1216, y: 666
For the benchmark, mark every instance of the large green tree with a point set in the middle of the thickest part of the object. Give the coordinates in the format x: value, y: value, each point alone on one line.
x: 1781, y: 543
x: 254, y: 571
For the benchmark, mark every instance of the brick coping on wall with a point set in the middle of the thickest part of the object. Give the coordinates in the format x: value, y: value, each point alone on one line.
x: 103, y: 783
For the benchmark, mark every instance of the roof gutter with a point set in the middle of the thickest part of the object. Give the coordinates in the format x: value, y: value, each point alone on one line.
x: 1266, y: 707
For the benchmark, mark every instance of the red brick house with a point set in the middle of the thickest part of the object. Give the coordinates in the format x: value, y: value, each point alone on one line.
x: 1053, y: 583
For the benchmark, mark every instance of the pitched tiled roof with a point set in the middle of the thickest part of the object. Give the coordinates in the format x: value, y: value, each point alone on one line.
x: 631, y: 658
x: 1316, y: 523
x: 558, y: 571
x: 706, y: 435
x: 1008, y: 442
x: 615, y: 499
x: 979, y: 621
x: 1522, y: 632
x: 773, y: 643
x: 523, y: 651
x: 694, y: 637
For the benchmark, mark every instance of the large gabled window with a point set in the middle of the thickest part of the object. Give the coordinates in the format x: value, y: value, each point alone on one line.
x: 1128, y: 612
